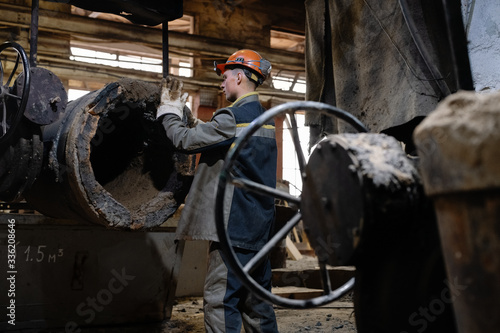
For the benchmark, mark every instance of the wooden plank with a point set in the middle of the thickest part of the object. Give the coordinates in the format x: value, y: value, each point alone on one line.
x: 296, y: 235
x: 292, y: 249
x: 311, y: 278
x: 297, y: 292
x: 305, y: 240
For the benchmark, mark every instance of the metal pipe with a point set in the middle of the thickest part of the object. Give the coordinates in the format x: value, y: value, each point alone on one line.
x: 165, y: 49
x: 34, y: 32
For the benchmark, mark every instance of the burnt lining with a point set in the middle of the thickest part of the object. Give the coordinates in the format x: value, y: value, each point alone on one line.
x: 130, y: 155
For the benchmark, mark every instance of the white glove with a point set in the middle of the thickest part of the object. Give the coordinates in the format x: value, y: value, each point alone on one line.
x: 172, y: 100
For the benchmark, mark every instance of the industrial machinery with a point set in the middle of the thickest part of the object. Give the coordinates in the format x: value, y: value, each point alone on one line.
x: 14, y: 94
x: 425, y: 258
x: 38, y: 122
x: 96, y: 168
x: 421, y: 229
x: 362, y: 204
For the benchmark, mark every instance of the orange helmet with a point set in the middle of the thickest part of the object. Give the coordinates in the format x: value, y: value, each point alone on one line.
x: 258, y: 67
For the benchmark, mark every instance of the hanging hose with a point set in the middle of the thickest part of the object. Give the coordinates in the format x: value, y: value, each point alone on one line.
x: 422, y: 48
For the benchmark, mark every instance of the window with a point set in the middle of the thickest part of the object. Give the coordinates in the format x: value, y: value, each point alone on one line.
x: 116, y: 60
x: 282, y: 79
x: 128, y: 55
x: 291, y: 169
x: 289, y: 81
x: 76, y: 93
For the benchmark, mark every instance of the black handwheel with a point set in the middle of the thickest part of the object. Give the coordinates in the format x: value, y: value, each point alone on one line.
x: 226, y: 176
x: 12, y: 102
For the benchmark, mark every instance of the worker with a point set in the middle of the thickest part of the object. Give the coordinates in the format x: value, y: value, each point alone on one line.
x: 227, y: 303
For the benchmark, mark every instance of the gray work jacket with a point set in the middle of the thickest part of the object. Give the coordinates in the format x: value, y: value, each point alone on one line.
x: 252, y: 217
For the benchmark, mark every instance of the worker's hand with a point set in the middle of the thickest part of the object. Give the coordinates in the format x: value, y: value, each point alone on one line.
x: 172, y: 99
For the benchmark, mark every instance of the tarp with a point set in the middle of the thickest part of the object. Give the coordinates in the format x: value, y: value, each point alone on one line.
x: 361, y: 56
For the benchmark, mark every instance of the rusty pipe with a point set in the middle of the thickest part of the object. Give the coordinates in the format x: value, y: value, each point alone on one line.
x: 108, y: 162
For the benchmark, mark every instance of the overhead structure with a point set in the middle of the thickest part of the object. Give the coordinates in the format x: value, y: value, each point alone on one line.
x: 145, y: 12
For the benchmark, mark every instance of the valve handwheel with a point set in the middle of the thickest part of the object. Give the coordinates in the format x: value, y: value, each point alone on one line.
x: 12, y: 102
x: 226, y: 177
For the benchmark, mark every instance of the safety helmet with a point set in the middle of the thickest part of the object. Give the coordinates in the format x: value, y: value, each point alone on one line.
x: 256, y: 68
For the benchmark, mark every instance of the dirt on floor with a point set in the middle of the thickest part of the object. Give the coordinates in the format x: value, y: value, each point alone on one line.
x: 187, y: 316
x: 338, y: 316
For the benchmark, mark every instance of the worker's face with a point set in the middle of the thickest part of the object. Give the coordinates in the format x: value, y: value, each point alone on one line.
x: 229, y: 84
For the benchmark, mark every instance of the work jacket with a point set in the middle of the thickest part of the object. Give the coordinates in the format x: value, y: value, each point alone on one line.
x: 249, y: 217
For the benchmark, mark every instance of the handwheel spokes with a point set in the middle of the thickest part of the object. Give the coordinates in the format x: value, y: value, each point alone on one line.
x: 325, y: 278
x: 278, y: 236
x: 226, y: 178
x: 13, y: 96
x: 4, y: 118
x: 264, y: 190
x: 16, y: 90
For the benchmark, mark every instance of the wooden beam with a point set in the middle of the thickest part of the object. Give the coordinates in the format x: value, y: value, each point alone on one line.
x: 74, y: 25
x: 67, y: 69
x: 53, y: 49
x: 292, y: 249
x: 286, y: 15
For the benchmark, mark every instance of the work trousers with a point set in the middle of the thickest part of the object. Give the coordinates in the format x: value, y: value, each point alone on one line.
x: 228, y: 304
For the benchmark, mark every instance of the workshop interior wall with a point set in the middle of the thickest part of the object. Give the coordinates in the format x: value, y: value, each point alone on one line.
x: 482, y: 22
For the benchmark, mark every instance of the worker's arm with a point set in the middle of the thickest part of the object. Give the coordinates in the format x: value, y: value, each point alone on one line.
x: 221, y: 130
